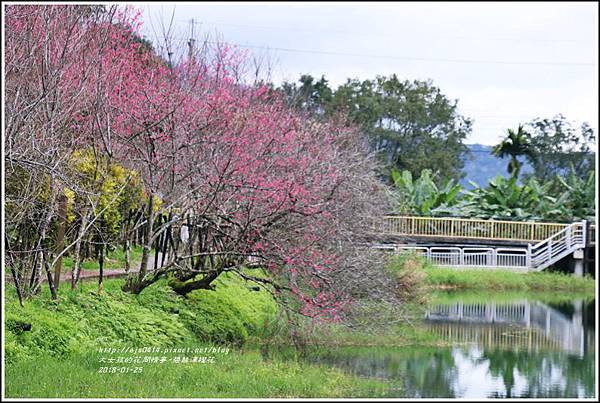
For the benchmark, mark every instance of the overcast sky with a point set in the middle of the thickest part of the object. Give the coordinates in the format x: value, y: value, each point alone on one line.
x: 506, y: 63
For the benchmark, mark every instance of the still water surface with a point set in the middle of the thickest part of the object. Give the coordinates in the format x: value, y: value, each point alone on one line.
x: 516, y: 348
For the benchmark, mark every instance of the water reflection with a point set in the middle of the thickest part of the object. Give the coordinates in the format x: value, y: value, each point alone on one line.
x: 518, y: 349
x: 518, y: 324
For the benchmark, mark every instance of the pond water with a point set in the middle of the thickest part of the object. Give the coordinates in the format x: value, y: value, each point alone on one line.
x: 521, y: 347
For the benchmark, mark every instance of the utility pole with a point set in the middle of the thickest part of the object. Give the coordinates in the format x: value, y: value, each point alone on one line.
x: 191, y: 42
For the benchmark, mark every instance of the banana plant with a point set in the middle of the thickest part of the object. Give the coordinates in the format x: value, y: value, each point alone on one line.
x: 578, y: 195
x: 503, y: 198
x: 422, y: 196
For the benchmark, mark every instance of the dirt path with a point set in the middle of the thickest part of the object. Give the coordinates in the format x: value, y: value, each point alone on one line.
x: 65, y: 276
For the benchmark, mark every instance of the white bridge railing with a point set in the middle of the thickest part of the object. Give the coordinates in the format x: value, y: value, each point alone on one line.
x: 532, y: 258
x: 559, y: 245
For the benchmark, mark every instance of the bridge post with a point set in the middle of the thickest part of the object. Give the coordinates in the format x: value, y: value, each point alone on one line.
x: 528, y: 257
x: 578, y: 259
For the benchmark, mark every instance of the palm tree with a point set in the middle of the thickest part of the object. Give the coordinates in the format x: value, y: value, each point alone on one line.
x: 515, y: 144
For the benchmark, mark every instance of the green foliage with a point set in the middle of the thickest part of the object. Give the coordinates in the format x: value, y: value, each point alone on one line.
x: 504, y: 199
x: 234, y: 375
x: 474, y: 296
x: 64, y: 339
x: 514, y: 145
x: 497, y: 279
x: 225, y: 315
x: 410, y: 124
x: 577, y: 196
x: 423, y: 196
x: 563, y: 199
x: 120, y: 189
x: 156, y: 317
x: 50, y: 335
x: 557, y: 145
x: 407, y: 261
x: 311, y: 96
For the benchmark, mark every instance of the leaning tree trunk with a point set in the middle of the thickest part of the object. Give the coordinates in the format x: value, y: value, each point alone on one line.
x: 15, y: 273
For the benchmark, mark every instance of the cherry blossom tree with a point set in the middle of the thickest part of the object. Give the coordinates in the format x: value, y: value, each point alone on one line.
x: 52, y: 54
x: 264, y: 191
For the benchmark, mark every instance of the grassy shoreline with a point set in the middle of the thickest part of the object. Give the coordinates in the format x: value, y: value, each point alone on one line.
x: 501, y: 280
x: 237, y: 375
x: 65, y: 337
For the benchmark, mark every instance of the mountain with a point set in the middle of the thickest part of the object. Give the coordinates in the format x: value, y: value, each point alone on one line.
x: 481, y: 166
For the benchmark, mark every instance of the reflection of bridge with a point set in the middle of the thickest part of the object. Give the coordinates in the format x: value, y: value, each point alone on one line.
x: 527, y: 246
x: 517, y: 324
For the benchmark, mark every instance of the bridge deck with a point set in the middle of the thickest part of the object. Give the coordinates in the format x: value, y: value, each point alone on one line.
x: 453, y: 230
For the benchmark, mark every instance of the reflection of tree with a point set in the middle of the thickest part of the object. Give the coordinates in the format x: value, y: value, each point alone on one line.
x: 575, y: 374
x: 429, y: 373
x: 423, y: 372
x: 547, y: 373
x: 502, y: 364
x: 579, y: 373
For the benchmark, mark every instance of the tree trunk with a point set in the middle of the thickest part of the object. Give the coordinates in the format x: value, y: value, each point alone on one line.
x: 60, y: 238
x: 77, y: 249
x: 203, y: 284
x: 127, y: 249
x: 101, y: 274
x: 51, y: 284
x: 15, y: 273
x: 40, y: 264
x: 147, y: 238
x: 137, y: 285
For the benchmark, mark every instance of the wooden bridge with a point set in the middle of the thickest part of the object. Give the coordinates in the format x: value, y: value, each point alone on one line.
x: 527, y: 246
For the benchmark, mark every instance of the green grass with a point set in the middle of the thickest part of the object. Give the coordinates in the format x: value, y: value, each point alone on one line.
x: 59, y: 356
x: 235, y: 375
x: 403, y: 334
x: 486, y: 279
x: 393, y: 328
x: 500, y: 280
x: 157, y: 316
x: 113, y: 260
x: 479, y: 296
